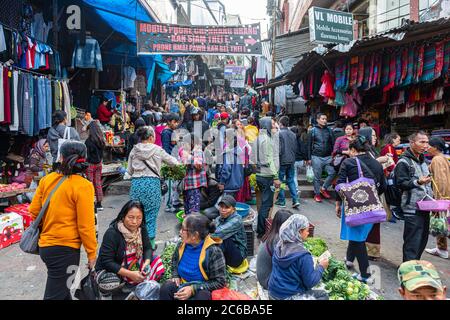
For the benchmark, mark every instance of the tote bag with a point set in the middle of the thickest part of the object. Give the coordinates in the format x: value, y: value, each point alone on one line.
x: 362, y: 205
x: 66, y: 137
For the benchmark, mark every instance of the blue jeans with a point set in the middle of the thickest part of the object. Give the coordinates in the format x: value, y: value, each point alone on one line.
x: 287, y: 175
x: 297, y: 165
x: 264, y: 184
x: 318, y: 163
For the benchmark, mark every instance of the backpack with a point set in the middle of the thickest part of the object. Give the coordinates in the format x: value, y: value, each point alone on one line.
x: 393, y: 193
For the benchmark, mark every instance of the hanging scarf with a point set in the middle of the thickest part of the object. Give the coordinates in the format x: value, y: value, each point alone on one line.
x: 429, y: 63
x: 133, y: 239
x: 439, y: 59
x: 446, y: 66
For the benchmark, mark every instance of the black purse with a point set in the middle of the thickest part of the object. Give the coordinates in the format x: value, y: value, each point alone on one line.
x: 164, y: 186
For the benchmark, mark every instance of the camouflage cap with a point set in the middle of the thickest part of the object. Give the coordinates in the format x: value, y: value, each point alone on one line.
x: 419, y: 273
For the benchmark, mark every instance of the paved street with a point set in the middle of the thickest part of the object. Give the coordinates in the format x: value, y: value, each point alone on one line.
x: 23, y: 276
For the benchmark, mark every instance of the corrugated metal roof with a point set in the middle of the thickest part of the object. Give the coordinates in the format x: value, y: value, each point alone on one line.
x: 292, y: 46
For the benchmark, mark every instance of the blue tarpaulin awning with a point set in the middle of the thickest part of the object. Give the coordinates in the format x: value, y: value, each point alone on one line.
x: 121, y: 16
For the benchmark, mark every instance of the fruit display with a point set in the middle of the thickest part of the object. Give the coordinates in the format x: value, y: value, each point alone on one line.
x: 176, y: 173
x: 166, y: 258
x: 12, y: 187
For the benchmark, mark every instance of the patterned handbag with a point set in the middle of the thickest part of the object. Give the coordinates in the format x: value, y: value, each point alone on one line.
x: 362, y: 205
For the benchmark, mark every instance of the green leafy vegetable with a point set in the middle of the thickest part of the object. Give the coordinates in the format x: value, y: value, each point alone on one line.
x: 177, y: 172
x: 316, y: 246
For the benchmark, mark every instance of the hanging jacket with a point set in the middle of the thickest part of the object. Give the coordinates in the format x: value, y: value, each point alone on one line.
x: 87, y: 56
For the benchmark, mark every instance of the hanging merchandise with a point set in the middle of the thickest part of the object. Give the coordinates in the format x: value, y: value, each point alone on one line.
x: 2, y: 40
x: 40, y: 29
x: 361, y: 61
x: 87, y: 56
x: 419, y: 56
x: 354, y: 64
x: 429, y: 63
x: 327, y: 90
x: 129, y: 76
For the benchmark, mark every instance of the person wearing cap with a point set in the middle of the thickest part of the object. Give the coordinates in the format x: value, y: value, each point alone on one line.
x: 293, y: 273
x: 230, y: 229
x: 440, y: 174
x: 419, y: 280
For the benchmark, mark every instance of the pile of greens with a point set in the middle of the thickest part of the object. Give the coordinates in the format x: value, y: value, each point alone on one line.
x: 166, y: 258
x: 315, y: 245
x: 177, y: 172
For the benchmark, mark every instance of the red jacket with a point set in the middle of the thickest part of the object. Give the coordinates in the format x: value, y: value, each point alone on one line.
x: 103, y: 114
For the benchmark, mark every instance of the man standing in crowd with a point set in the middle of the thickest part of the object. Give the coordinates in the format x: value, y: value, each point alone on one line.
x: 267, y: 162
x: 245, y: 101
x: 320, y: 147
x: 288, y: 151
x: 413, y: 178
x: 198, y: 122
x: 220, y: 142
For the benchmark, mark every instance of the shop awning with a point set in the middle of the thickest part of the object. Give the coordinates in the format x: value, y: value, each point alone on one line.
x: 121, y: 16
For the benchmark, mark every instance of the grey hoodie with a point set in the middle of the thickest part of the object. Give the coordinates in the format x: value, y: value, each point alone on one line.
x: 266, y: 156
x: 54, y: 134
x: 154, y: 155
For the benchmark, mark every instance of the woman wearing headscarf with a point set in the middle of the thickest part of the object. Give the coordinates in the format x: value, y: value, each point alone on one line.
x: 38, y: 156
x: 293, y: 273
x: 373, y: 242
x: 440, y: 173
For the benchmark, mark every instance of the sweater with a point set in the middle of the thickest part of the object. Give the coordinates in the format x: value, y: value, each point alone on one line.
x: 292, y: 271
x: 70, y: 218
x: 188, y: 268
x: 94, y: 153
x: 440, y: 171
x: 144, y: 154
x: 113, y: 250
x: 56, y: 133
x: 103, y: 114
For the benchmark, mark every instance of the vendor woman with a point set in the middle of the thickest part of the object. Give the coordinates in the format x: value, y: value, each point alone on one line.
x: 104, y: 114
x: 38, y: 157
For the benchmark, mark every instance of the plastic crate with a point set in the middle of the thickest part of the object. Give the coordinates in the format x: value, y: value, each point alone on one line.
x: 250, y: 234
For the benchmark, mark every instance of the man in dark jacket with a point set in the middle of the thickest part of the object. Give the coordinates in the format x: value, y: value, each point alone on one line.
x: 413, y: 178
x: 245, y: 101
x: 288, y: 152
x: 198, y: 126
x: 320, y: 147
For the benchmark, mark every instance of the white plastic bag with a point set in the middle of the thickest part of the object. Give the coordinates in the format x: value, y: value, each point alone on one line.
x: 309, y: 174
x: 65, y: 138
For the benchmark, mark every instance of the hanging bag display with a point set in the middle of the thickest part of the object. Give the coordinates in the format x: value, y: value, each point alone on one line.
x: 362, y: 205
x: 30, y: 237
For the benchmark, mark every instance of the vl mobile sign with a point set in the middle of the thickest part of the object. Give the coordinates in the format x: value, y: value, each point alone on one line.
x: 330, y: 26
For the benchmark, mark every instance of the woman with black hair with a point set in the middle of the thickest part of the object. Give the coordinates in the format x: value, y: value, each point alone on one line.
x: 357, y: 236
x: 59, y: 130
x: 95, y: 145
x: 198, y: 263
x: 104, y: 114
x: 266, y: 248
x: 126, y: 257
x: 69, y: 221
x: 144, y: 167
x: 134, y: 139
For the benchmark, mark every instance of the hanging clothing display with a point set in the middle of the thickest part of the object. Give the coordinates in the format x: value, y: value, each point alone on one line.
x: 88, y: 55
x: 2, y: 40
x: 40, y: 29
x: 327, y: 88
x: 14, y: 102
x: 129, y: 76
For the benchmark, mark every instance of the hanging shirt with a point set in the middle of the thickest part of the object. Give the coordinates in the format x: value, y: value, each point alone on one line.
x: 14, y: 102
x: 2, y: 40
x: 87, y: 56
x: 129, y: 74
x: 7, y: 97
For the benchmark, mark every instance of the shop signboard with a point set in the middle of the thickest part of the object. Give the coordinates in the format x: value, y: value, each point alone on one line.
x: 162, y: 38
x: 235, y: 75
x: 218, y: 82
x: 330, y: 26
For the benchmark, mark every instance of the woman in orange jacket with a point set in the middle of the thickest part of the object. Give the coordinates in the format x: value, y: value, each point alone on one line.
x: 69, y: 221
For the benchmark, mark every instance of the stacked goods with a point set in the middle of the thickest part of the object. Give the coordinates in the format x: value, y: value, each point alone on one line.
x: 4, y: 188
x: 166, y: 258
x: 11, y: 229
x: 176, y: 173
x: 338, y: 282
x: 21, y: 210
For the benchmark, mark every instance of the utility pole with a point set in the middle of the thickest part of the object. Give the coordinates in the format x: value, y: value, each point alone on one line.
x: 274, y: 34
x: 189, y: 10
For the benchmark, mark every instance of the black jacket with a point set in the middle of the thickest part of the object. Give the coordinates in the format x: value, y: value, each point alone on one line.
x: 94, y: 153
x: 320, y: 142
x: 370, y: 167
x: 113, y: 249
x: 288, y: 147
x: 210, y: 195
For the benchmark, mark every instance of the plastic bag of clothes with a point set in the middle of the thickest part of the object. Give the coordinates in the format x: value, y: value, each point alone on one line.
x: 148, y: 290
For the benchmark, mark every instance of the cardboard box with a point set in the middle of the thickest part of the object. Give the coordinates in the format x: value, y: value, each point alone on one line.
x: 21, y: 210
x: 11, y: 229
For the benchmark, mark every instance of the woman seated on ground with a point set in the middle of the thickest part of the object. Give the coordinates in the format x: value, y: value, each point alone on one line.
x: 198, y: 264
x: 126, y: 257
x: 293, y: 273
x: 38, y: 156
x: 230, y: 229
x: 266, y: 248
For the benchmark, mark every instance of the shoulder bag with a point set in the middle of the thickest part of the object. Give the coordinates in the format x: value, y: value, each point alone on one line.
x: 64, y: 138
x: 164, y: 186
x: 362, y: 205
x: 30, y: 237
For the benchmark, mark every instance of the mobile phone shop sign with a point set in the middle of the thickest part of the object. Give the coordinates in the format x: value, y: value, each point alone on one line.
x: 330, y: 26
x: 162, y: 38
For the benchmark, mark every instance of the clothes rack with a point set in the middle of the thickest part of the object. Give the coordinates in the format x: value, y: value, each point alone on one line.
x: 5, y: 65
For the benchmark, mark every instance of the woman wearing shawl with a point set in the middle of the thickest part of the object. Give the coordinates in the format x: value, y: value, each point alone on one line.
x: 293, y: 273
x: 373, y: 242
x: 38, y: 156
x: 126, y: 256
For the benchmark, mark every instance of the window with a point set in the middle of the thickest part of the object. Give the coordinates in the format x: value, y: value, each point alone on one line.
x: 391, y: 12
